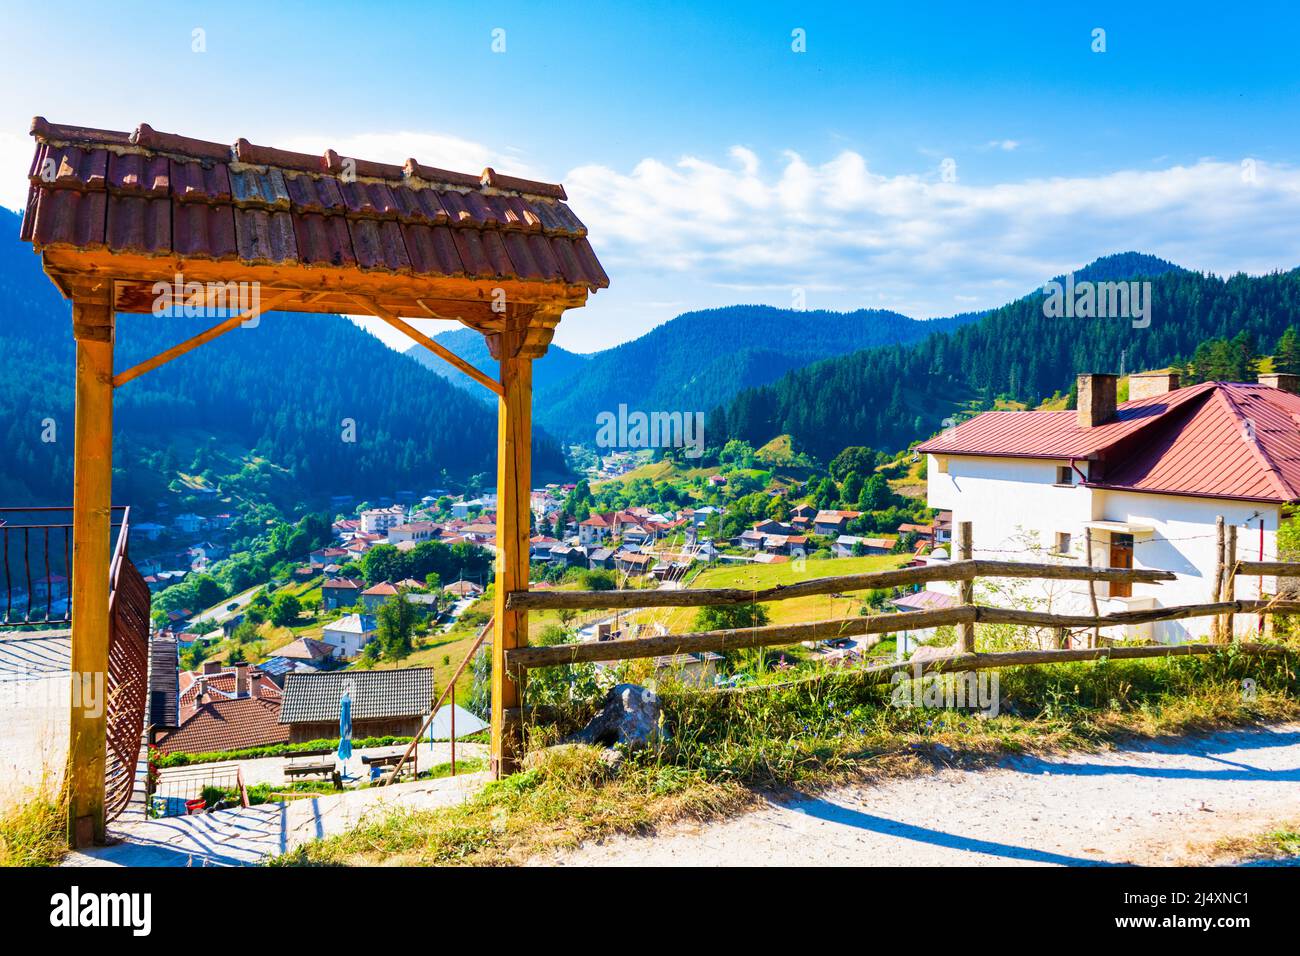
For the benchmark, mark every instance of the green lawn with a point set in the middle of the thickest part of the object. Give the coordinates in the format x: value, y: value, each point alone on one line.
x: 821, y: 607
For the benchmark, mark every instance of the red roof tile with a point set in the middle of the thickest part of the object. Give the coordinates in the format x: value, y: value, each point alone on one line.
x: 1217, y: 439
x: 297, y: 208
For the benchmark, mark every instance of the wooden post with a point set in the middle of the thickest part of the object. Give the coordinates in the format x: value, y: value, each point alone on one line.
x: 92, y: 326
x: 514, y: 466
x: 1217, y: 594
x: 1230, y: 583
x: 1092, y: 587
x: 965, y: 552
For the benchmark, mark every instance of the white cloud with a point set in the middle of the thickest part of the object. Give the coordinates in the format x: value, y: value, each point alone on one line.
x: 852, y: 236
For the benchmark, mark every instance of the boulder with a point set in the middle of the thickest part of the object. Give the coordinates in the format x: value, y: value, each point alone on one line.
x: 630, y: 717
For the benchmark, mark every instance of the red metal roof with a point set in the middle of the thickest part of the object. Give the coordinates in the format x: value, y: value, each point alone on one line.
x: 1217, y: 439
x: 160, y: 194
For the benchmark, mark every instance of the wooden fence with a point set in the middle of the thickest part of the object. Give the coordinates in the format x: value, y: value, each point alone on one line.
x: 964, y: 616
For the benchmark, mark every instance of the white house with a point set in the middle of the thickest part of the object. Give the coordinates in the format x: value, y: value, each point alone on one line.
x: 1146, y: 479
x: 379, y: 520
x: 348, y: 635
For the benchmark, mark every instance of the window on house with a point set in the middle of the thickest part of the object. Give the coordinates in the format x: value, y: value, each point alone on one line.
x: 1064, y: 475
x: 1062, y: 542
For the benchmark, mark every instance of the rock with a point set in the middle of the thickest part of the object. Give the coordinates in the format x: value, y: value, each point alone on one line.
x: 630, y: 717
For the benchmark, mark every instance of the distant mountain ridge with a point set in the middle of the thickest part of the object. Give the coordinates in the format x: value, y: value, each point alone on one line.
x: 470, y: 345
x: 886, y: 398
x: 699, y: 359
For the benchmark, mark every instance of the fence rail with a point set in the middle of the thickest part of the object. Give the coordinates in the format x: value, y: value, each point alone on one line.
x: 952, y: 571
x: 965, y: 616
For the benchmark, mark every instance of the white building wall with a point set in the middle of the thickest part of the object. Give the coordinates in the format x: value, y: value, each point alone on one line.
x: 1017, y: 509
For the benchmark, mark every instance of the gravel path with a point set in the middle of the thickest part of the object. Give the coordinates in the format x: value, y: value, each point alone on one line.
x: 1145, y: 804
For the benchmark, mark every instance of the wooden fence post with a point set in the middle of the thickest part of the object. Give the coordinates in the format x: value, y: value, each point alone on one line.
x: 1217, y: 594
x: 1230, y: 583
x: 1092, y: 588
x: 965, y: 552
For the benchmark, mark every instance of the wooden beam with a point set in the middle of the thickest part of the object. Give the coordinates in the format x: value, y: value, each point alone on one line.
x: 1230, y: 583
x: 1279, y: 569
x: 92, y: 324
x: 514, y: 476
x: 844, y: 583
x: 444, y: 353
x: 727, y: 640
x: 221, y: 328
x: 65, y: 266
x: 966, y: 552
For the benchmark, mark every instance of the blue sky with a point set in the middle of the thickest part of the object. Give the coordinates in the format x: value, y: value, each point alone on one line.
x: 930, y: 158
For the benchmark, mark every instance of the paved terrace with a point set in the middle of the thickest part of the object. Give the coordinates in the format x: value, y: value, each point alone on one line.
x: 33, y: 708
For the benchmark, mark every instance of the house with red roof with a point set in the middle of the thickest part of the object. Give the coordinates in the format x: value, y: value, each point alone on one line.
x: 1139, y: 484
x: 224, y: 708
x: 340, y: 592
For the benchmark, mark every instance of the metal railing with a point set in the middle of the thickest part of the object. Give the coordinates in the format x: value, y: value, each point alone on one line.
x: 129, y: 605
x: 37, y: 580
x: 37, y: 564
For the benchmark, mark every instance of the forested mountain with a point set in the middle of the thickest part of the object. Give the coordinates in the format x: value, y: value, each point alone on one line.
x: 700, y: 359
x: 259, y: 413
x: 888, y: 397
x: 558, y: 365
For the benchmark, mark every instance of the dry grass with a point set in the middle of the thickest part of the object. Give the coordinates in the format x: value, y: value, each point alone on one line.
x: 1280, y: 846
x: 723, y: 750
x: 33, y: 830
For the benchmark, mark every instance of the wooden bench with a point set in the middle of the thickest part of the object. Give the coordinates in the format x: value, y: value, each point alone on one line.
x: 392, y: 760
x: 324, y: 770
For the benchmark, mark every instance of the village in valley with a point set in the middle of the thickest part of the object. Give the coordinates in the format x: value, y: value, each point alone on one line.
x: 765, y: 436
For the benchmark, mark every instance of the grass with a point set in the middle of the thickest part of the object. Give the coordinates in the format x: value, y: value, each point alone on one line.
x: 820, y: 607
x: 1273, y: 846
x: 33, y: 831
x: 721, y: 751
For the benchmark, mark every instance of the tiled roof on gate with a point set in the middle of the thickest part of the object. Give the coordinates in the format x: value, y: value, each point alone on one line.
x: 1217, y: 439
x: 311, y: 698
x: 160, y: 194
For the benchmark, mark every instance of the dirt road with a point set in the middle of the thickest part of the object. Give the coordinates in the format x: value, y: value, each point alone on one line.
x: 1148, y: 804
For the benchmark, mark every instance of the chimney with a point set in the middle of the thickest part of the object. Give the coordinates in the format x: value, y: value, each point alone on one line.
x: 254, y: 683
x: 1096, y: 399
x: 241, y: 679
x: 1283, y: 380
x: 212, y: 667
x: 201, y: 691
x: 1151, y: 384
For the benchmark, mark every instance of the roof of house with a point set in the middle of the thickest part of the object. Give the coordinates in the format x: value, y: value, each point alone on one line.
x: 1217, y: 439
x: 222, y: 721
x: 631, y: 557
x: 601, y: 554
x: 924, y: 601
x: 310, y: 698
x: 352, y: 624
x: 382, y: 588
x: 307, y: 649
x: 348, y: 584
x: 827, y: 516
x: 463, y: 587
